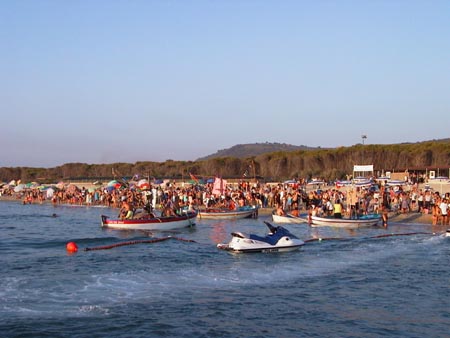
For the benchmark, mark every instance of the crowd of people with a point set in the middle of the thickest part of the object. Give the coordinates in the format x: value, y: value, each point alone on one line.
x: 293, y: 197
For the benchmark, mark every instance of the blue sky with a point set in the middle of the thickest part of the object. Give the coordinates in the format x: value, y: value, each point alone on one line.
x: 126, y: 81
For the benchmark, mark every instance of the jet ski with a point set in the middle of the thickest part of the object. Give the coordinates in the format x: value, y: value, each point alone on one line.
x: 278, y: 239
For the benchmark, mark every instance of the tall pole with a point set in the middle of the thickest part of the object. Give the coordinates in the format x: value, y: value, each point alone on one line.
x: 363, y: 137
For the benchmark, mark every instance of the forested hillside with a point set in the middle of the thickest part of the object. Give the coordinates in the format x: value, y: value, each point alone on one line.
x: 328, y: 163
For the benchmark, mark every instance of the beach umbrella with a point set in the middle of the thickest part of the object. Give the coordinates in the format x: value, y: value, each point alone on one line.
x: 71, y: 188
x: 109, y: 189
x: 19, y: 188
x: 32, y: 185
x: 143, y: 184
x: 114, y: 183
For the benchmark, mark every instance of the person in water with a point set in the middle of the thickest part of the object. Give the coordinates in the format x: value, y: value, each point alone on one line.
x: 295, y: 212
x: 384, y: 216
x: 280, y: 211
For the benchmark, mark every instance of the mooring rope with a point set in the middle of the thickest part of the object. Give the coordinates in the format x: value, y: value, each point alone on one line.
x: 144, y: 241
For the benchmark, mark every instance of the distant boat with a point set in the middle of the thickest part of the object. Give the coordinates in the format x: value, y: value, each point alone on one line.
x: 395, y: 182
x: 151, y: 223
x: 316, y: 182
x: 289, y: 219
x: 223, y: 213
x: 439, y: 179
x: 347, y: 223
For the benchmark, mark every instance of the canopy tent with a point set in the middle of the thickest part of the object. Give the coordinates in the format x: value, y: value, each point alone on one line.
x: 363, y: 170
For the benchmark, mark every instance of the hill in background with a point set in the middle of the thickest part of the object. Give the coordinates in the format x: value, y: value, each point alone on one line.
x: 255, y: 149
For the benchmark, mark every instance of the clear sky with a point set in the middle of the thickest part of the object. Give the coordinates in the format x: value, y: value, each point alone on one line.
x: 124, y: 81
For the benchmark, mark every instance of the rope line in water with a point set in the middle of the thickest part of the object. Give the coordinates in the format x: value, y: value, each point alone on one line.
x: 144, y: 241
x: 156, y: 240
x: 372, y: 237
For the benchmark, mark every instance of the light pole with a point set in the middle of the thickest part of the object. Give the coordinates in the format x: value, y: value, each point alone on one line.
x: 363, y: 138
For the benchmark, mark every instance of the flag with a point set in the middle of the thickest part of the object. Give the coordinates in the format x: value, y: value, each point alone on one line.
x: 193, y: 177
x: 219, y: 186
x: 246, y: 172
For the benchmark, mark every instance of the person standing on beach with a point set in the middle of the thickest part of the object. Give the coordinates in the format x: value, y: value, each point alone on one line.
x: 444, y: 211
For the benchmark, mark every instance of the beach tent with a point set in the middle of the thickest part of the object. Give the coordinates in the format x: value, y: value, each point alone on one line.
x: 363, y: 170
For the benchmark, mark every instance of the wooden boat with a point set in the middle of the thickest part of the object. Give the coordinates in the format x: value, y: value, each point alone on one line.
x: 347, y: 223
x: 152, y: 223
x: 222, y: 213
x: 289, y: 219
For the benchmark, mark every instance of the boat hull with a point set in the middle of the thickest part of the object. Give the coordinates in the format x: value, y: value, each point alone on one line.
x: 278, y: 240
x: 157, y: 223
x: 288, y: 219
x: 228, y: 214
x: 262, y: 249
x: 364, y: 222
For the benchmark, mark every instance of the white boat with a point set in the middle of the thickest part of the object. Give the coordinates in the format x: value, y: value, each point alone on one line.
x: 347, y: 223
x: 289, y: 219
x: 222, y: 213
x: 152, y: 223
x: 279, y: 239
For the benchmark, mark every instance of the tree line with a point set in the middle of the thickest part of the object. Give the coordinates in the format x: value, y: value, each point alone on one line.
x: 335, y: 163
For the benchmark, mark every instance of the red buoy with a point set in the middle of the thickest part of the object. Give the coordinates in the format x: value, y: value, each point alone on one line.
x: 71, y: 247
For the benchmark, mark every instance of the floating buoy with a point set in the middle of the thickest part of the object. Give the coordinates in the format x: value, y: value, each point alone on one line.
x: 71, y: 247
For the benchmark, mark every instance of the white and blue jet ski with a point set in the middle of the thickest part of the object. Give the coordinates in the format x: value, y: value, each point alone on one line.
x: 278, y: 239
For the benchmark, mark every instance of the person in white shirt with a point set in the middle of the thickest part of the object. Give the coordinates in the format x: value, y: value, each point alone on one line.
x: 444, y: 211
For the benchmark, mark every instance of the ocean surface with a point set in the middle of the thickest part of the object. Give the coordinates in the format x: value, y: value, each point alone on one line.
x: 351, y: 286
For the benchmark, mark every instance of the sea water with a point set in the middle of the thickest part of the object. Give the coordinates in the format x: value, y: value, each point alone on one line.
x: 353, y: 285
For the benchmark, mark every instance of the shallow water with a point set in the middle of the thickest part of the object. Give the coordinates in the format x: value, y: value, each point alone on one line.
x: 359, y: 286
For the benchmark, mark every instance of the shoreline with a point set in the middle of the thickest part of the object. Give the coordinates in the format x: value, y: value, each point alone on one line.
x: 412, y: 217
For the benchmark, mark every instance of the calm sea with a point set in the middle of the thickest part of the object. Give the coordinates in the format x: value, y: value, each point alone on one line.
x: 358, y: 287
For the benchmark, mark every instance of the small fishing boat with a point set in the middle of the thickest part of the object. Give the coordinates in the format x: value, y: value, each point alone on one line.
x: 363, y: 221
x: 223, y: 213
x: 289, y: 219
x: 279, y: 239
x: 186, y: 219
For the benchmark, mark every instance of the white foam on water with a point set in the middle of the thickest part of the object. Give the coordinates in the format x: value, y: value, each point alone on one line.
x: 93, y: 309
x: 95, y: 294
